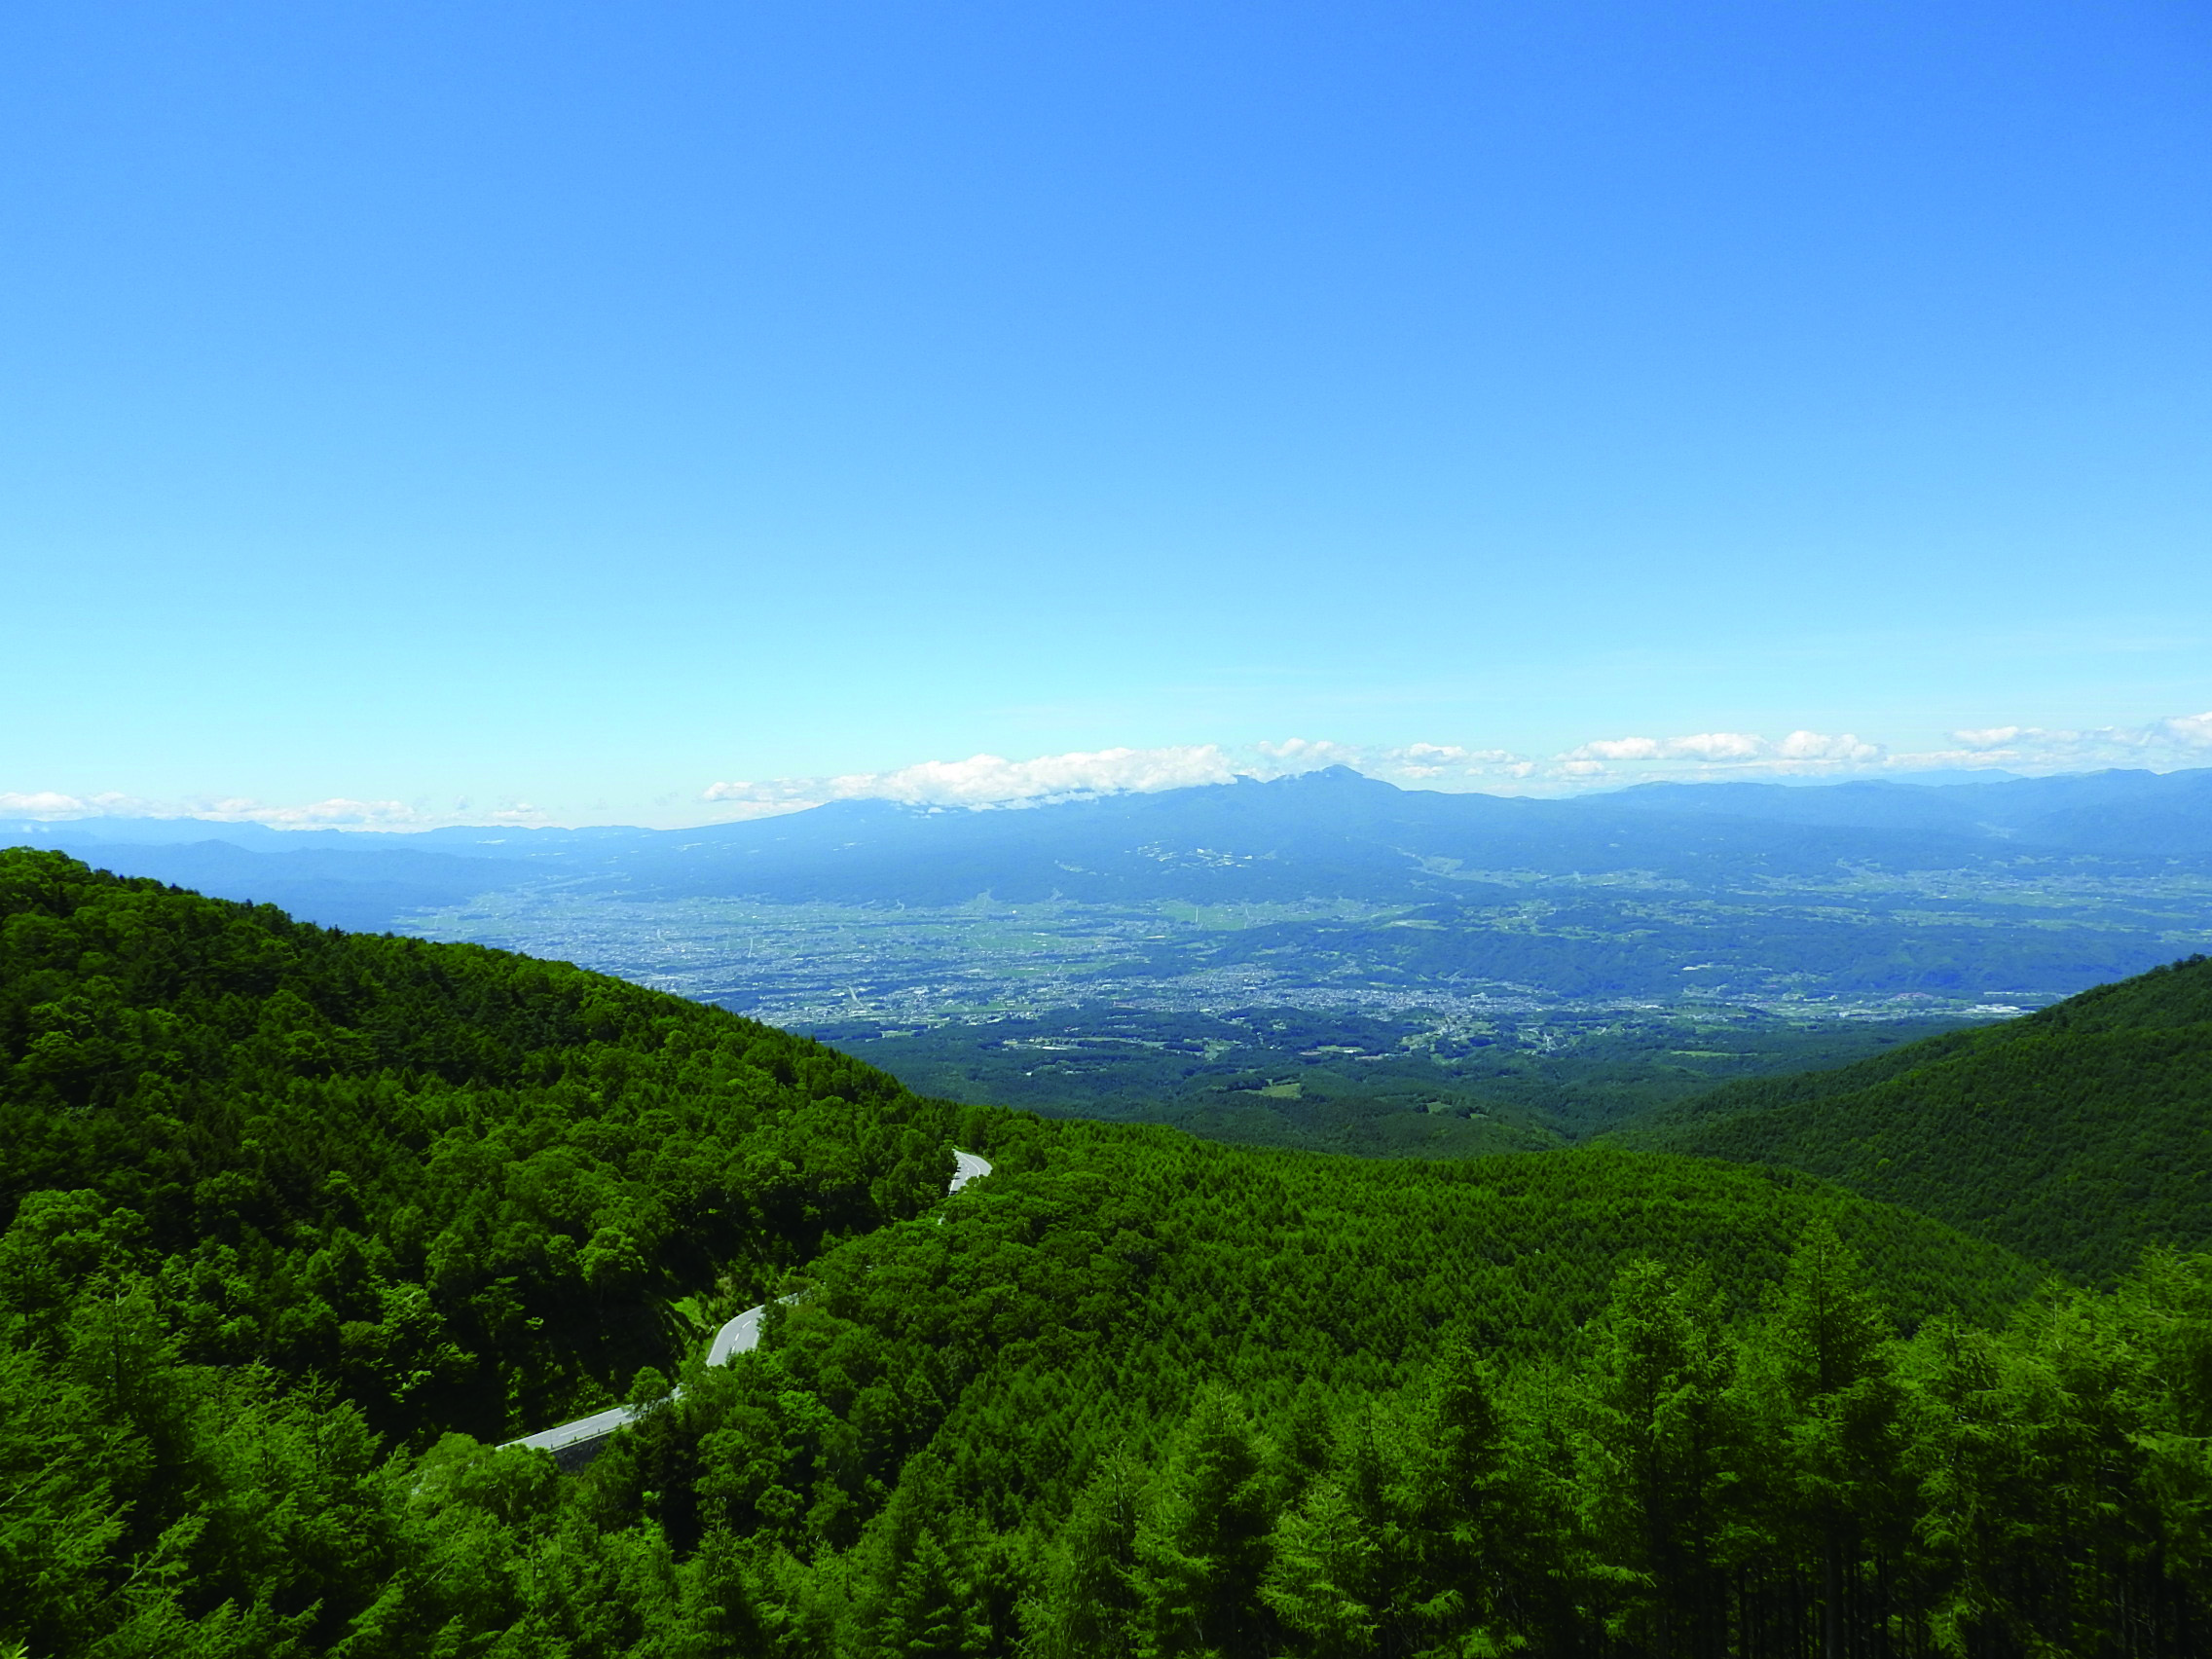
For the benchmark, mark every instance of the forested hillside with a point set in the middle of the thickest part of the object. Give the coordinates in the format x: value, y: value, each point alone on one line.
x: 1307, y: 1442
x: 298, y: 1221
x: 1141, y: 1395
x: 460, y: 1185
x: 2076, y: 1135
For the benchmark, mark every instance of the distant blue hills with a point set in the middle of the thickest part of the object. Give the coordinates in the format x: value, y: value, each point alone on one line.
x: 1326, y: 834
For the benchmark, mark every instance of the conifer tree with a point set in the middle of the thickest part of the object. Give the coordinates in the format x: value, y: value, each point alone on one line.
x: 932, y: 1613
x: 1201, y: 1542
x: 1455, y: 1492
x: 1654, y: 1451
x: 1322, y: 1578
x: 1088, y: 1607
x: 1820, y: 1387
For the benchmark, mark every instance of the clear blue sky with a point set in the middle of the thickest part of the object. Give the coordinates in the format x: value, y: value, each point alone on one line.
x: 584, y: 404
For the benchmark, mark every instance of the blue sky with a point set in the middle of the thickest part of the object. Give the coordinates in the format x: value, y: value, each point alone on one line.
x: 566, y: 410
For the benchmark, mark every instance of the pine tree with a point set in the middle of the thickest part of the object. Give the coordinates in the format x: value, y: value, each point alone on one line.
x: 1456, y: 1495
x: 1820, y: 1383
x: 1322, y: 1580
x: 932, y: 1613
x: 1089, y: 1604
x: 1653, y: 1444
x: 1201, y: 1542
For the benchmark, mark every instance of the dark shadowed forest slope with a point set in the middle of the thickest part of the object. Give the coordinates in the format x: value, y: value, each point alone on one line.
x: 460, y: 1185
x: 2076, y: 1135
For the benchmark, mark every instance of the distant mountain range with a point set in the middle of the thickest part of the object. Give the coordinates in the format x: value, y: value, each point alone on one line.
x: 1333, y: 834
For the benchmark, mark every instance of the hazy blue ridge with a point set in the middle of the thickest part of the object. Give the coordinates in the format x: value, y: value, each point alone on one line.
x: 1330, y: 832
x: 1540, y: 922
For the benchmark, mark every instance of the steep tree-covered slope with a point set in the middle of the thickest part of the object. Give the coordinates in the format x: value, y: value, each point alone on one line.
x: 1074, y: 1301
x: 463, y: 1186
x: 2076, y: 1135
x: 1560, y: 1403
x: 1137, y: 1396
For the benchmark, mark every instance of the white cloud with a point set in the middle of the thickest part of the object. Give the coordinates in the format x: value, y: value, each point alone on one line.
x: 2173, y: 739
x: 53, y: 804
x: 1991, y: 737
x: 1617, y: 749
x: 1818, y: 745
x: 1448, y: 763
x: 1720, y: 746
x: 2193, y: 731
x: 1309, y: 755
x: 992, y: 780
x: 1801, y: 750
x: 45, y: 803
x: 337, y: 813
x: 988, y: 777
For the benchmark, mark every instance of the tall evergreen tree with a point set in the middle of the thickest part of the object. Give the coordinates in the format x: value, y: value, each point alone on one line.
x: 1473, y: 1558
x: 1655, y: 1450
x: 932, y: 1614
x: 1819, y: 1386
x: 1089, y: 1605
x: 1202, y: 1540
x: 1323, y: 1578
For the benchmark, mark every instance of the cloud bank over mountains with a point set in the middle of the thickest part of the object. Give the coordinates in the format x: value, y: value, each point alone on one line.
x: 337, y: 813
x: 2166, y: 744
x: 992, y: 780
x: 986, y: 780
x: 2183, y: 740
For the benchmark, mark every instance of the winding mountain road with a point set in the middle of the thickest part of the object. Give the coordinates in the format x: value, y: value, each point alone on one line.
x: 575, y: 1444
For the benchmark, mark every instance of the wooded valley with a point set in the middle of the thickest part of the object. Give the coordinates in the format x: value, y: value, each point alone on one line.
x: 1907, y: 1360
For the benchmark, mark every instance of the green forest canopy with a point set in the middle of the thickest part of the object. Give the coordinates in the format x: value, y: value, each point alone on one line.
x: 462, y: 1186
x: 2074, y: 1135
x: 286, y: 1211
